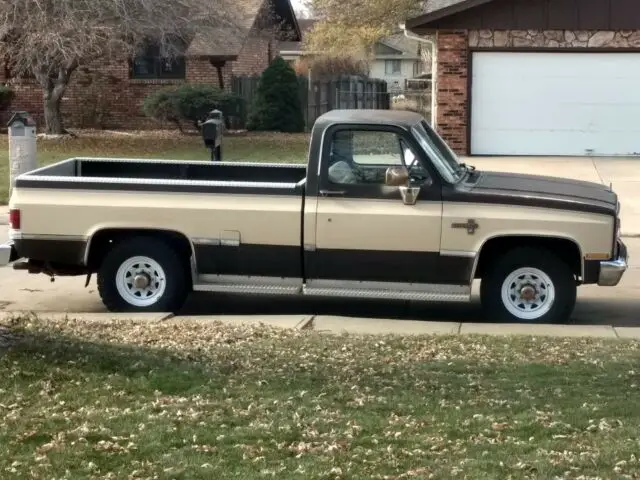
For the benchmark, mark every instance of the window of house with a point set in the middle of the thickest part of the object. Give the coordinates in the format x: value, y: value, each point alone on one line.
x: 153, y: 64
x: 417, y: 68
x: 392, y: 67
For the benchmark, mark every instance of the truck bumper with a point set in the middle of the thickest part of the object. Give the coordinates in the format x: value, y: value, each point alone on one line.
x: 611, y: 271
x: 8, y: 253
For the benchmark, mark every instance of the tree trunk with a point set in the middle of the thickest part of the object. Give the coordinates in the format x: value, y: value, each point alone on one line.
x: 54, y: 83
x: 52, y: 114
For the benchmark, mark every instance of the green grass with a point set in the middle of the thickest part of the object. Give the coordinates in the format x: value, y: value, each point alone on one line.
x: 190, y: 400
x: 267, y: 147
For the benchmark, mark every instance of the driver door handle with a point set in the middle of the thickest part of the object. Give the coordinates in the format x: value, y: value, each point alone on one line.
x: 332, y: 193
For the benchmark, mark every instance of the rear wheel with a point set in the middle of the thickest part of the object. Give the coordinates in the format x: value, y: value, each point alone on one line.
x: 529, y: 285
x: 142, y: 275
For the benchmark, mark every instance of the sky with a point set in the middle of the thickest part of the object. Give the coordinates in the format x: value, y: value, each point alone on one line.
x: 297, y: 4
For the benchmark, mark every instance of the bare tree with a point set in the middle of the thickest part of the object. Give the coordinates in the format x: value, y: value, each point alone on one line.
x: 50, y: 39
x: 351, y: 27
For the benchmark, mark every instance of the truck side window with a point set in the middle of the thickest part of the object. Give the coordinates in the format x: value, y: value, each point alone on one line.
x: 363, y: 156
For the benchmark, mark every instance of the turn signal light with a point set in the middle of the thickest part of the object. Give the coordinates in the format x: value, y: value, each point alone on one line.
x: 14, y: 219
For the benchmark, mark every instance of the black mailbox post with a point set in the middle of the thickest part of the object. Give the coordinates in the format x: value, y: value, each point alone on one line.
x: 212, y: 134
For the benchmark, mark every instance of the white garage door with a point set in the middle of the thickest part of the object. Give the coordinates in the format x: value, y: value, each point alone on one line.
x: 555, y: 103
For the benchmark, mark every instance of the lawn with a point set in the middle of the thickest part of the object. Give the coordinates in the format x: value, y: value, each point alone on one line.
x: 195, y: 400
x: 267, y: 147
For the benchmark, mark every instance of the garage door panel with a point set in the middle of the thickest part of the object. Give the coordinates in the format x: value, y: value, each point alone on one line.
x: 555, y: 103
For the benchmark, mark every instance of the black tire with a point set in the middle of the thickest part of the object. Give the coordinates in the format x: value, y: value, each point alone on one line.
x: 175, y: 275
x: 560, y: 274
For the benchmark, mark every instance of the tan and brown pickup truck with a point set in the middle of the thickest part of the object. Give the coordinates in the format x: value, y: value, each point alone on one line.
x: 382, y: 209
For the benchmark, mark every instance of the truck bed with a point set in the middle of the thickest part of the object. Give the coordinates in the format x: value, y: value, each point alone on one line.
x: 167, y: 175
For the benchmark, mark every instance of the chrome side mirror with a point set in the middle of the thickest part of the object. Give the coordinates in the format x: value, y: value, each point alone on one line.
x: 399, y: 177
x: 396, y: 177
x: 409, y: 194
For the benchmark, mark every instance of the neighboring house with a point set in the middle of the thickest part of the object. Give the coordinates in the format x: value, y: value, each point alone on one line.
x: 111, y: 94
x: 397, y: 59
x: 536, y: 77
x: 292, y: 50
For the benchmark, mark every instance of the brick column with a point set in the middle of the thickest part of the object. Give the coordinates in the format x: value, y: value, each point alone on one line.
x: 452, y: 96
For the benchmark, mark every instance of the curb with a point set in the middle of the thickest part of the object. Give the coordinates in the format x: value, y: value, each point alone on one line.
x: 601, y: 332
x: 466, y: 329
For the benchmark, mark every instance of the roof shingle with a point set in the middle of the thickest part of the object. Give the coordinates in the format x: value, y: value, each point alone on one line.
x: 228, y: 40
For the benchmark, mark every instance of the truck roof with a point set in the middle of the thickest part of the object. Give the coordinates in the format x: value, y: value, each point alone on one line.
x: 398, y: 117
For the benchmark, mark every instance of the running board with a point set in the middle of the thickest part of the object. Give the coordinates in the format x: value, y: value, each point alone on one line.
x: 243, y: 284
x: 439, y: 294
x: 247, y: 288
x: 341, y: 289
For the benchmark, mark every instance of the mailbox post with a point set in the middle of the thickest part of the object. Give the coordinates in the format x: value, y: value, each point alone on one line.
x: 22, y: 146
x: 212, y: 134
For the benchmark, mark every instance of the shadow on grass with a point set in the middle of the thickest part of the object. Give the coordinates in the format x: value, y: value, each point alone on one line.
x: 160, y: 369
x: 313, y: 391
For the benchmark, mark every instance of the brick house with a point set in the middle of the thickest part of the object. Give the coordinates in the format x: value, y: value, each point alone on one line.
x: 536, y: 77
x: 110, y: 95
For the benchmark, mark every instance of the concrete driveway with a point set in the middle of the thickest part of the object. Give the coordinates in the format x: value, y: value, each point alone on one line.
x: 617, y: 306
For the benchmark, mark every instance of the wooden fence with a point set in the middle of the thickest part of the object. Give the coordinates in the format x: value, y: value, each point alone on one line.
x: 320, y: 96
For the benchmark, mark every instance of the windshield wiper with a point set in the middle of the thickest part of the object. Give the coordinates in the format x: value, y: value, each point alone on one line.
x: 463, y: 169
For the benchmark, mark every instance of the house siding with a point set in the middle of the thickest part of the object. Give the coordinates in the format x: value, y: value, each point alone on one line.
x: 103, y: 96
x: 254, y: 57
x: 545, y: 15
x: 554, y: 38
x: 452, y: 88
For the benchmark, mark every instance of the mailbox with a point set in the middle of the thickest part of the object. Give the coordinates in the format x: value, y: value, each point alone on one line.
x: 22, y: 146
x: 212, y: 134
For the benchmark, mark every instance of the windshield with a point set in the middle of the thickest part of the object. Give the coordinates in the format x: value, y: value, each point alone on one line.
x: 442, y: 156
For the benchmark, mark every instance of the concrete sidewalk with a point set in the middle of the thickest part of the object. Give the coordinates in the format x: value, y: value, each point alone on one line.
x: 4, y: 215
x: 378, y: 326
x: 338, y: 325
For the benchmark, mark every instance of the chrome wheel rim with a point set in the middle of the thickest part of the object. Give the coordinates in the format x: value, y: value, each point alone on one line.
x: 528, y: 293
x: 141, y: 281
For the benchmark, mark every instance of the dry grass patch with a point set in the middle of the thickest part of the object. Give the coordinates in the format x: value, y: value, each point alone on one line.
x: 181, y: 399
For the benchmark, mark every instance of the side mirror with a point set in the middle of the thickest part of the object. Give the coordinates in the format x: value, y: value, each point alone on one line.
x: 396, y: 177
x: 399, y: 177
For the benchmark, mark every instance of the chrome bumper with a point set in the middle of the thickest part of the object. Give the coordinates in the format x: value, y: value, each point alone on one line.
x: 611, y: 271
x: 8, y: 253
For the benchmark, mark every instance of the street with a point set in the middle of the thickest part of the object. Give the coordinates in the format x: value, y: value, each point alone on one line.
x: 19, y: 291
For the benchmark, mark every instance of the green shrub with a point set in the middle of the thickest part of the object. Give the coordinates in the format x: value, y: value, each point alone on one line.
x: 190, y: 103
x: 6, y: 96
x: 277, y: 106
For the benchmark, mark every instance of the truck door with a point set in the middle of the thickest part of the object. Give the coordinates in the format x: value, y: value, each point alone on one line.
x: 366, y: 235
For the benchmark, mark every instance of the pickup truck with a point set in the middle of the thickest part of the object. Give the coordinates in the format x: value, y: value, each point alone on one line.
x: 383, y: 209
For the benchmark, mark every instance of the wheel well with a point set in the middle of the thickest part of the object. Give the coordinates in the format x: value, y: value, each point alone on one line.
x: 567, y: 250
x: 104, y: 240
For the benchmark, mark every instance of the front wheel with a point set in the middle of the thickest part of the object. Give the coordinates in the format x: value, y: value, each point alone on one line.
x: 142, y: 275
x: 529, y: 285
